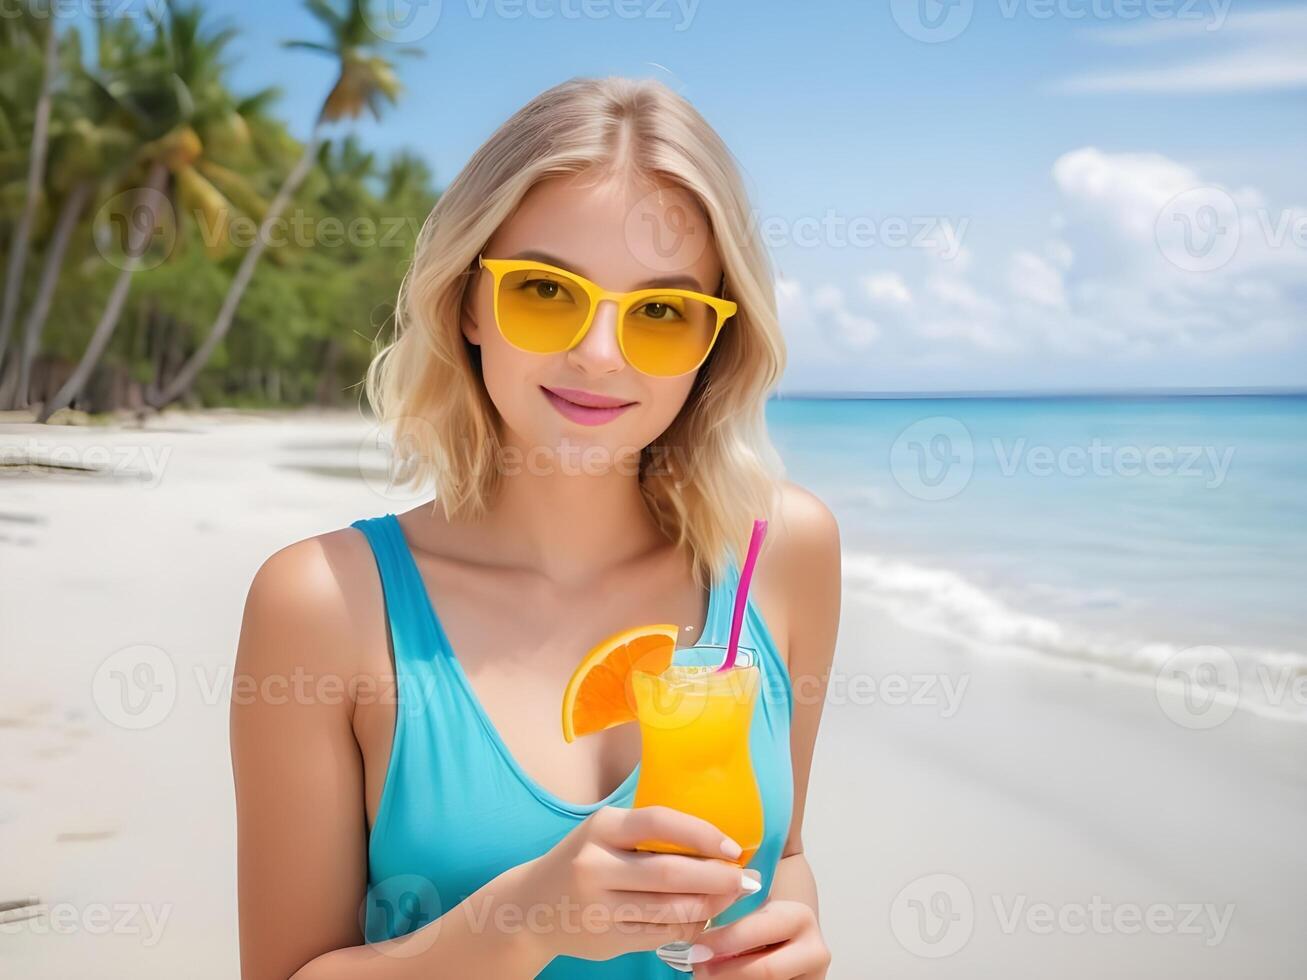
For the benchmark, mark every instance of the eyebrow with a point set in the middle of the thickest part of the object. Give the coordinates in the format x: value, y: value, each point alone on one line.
x: 662, y: 282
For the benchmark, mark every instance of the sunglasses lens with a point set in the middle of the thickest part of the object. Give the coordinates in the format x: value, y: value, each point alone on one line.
x: 668, y: 335
x: 541, y: 311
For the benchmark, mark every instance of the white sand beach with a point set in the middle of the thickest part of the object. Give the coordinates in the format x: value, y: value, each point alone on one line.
x: 969, y: 816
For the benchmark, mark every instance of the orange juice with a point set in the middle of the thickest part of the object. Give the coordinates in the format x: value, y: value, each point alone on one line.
x: 694, y: 757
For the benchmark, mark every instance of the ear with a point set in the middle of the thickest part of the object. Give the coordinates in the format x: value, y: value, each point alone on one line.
x: 468, y: 324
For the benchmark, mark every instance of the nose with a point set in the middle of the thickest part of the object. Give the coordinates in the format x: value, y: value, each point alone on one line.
x: 599, y: 353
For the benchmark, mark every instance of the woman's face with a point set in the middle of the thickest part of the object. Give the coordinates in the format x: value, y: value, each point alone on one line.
x: 622, y: 237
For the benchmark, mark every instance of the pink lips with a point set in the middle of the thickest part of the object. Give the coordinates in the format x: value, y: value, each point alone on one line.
x: 585, y: 407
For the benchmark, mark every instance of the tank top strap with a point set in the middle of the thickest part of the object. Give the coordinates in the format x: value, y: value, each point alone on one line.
x: 754, y: 631
x: 722, y: 604
x: 412, y: 633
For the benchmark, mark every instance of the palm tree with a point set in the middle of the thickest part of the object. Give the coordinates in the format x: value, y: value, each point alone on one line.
x: 365, y: 80
x: 86, y: 142
x: 175, y: 94
x: 40, y: 24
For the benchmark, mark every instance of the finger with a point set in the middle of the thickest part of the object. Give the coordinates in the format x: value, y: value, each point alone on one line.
x: 664, y: 824
x: 633, y: 871
x: 770, y: 923
x: 666, y: 908
x: 785, y: 962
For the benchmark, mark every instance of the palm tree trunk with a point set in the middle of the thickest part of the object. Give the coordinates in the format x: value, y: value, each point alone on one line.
x: 35, y: 174
x: 138, y: 236
x: 34, y: 325
x: 186, y: 376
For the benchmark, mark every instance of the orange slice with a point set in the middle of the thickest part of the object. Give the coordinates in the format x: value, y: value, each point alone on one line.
x: 598, y: 696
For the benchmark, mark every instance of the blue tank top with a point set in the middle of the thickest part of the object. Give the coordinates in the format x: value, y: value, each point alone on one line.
x: 457, y: 809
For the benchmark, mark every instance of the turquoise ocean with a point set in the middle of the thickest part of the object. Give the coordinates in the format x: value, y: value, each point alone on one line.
x: 1117, y: 533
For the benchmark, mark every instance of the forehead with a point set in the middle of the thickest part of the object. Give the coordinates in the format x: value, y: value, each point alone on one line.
x: 618, y: 231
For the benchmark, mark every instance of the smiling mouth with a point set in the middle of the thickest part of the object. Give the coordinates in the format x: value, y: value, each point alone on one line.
x: 583, y: 414
x: 586, y: 400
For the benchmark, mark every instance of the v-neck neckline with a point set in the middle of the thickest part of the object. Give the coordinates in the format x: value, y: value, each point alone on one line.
x: 543, y: 794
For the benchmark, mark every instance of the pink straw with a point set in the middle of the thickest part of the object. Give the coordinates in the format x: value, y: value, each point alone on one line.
x: 742, y: 594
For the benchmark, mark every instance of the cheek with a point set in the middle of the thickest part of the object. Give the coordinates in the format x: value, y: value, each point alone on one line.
x: 666, y: 398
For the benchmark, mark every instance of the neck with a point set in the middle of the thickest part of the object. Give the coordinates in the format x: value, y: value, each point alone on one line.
x: 567, y: 517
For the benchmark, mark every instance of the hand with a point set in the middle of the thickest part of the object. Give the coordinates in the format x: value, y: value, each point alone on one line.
x: 593, y: 896
x: 780, y: 940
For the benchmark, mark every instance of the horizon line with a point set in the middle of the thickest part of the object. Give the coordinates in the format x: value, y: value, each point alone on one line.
x: 1162, y: 392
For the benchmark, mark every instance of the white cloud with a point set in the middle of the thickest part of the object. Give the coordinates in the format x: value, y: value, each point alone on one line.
x: 1034, y: 279
x: 957, y: 294
x: 887, y: 289
x: 847, y: 330
x: 1145, y: 258
x: 1256, y: 50
x: 819, y: 325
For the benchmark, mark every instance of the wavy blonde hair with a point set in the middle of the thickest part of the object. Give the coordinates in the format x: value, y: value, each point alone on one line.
x: 714, y: 470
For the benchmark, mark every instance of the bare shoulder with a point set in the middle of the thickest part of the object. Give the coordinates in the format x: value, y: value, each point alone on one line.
x: 805, y: 567
x: 311, y: 605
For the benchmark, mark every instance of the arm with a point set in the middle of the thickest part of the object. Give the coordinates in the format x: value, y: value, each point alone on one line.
x: 301, y: 822
x: 782, y: 937
x: 813, y: 583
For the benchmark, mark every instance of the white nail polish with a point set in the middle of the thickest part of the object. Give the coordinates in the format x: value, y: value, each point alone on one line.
x: 698, y: 953
x: 750, y: 885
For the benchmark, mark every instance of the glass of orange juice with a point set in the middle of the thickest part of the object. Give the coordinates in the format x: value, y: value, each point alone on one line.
x: 694, y: 756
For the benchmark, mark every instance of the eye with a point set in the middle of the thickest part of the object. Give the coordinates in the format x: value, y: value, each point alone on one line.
x: 654, y: 310
x: 538, y: 287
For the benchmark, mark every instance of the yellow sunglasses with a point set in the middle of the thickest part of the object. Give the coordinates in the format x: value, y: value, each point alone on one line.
x: 543, y: 309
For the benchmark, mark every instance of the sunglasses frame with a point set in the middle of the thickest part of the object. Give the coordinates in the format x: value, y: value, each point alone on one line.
x: 498, y: 268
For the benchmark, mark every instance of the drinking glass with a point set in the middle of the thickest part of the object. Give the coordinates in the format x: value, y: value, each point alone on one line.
x: 694, y: 752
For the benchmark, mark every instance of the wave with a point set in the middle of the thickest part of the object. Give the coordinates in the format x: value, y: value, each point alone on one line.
x: 941, y: 602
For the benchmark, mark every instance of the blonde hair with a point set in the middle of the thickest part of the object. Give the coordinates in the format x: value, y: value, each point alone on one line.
x: 714, y: 470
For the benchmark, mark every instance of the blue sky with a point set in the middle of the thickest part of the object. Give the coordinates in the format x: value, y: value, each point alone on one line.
x: 1005, y: 194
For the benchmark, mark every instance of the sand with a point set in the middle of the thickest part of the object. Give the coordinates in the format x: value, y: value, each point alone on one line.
x: 969, y: 816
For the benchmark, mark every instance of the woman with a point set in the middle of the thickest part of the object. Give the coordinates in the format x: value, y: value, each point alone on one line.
x: 411, y: 809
